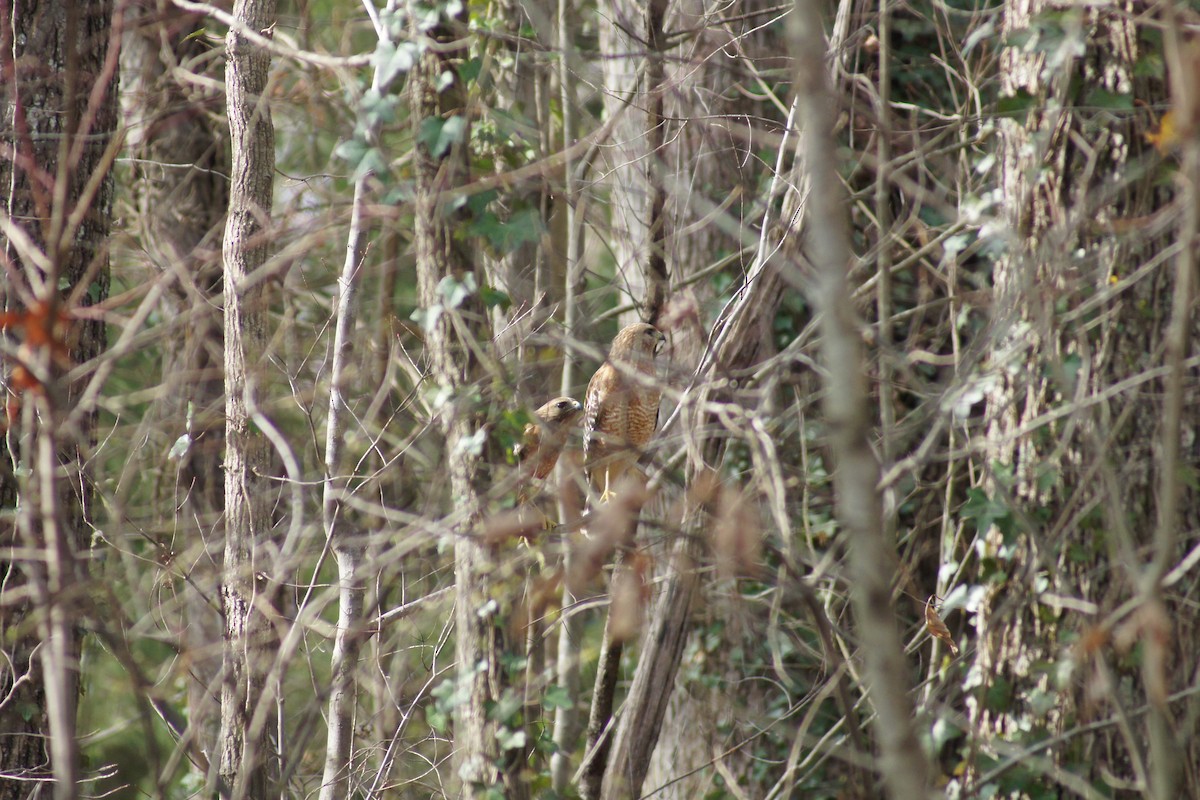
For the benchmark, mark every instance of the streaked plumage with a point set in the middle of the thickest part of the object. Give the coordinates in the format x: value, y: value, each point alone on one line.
x: 621, y: 412
x: 544, y: 440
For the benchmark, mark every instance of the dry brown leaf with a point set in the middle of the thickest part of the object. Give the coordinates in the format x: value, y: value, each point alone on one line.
x: 705, y: 488
x: 609, y: 527
x: 629, y: 594
x: 522, y: 522
x: 737, y: 535
x: 937, y: 629
x: 541, y: 594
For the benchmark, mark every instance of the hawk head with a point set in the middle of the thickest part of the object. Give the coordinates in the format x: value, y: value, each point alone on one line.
x: 560, y: 412
x: 637, y: 344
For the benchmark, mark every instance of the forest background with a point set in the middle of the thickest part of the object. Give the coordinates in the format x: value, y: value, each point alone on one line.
x: 284, y: 282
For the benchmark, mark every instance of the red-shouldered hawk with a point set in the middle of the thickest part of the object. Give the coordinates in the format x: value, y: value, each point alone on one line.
x: 544, y: 440
x: 621, y: 412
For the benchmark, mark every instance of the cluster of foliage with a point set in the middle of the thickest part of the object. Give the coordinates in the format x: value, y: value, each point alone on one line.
x: 1022, y: 210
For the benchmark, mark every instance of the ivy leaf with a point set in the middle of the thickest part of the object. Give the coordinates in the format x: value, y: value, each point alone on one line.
x: 427, y: 318
x: 510, y: 739
x: 523, y: 226
x: 455, y: 292
x: 438, y: 135
x: 378, y: 109
x: 478, y: 203
x: 471, y: 445
x: 391, y: 60
x: 985, y: 511
x: 361, y: 157
x: 452, y: 133
x: 425, y: 15
x: 506, y: 708
x: 1018, y: 105
x: 1113, y: 101
x: 494, y: 297
x: 437, y: 719
x: 556, y: 697
x: 180, y: 448
x: 470, y: 69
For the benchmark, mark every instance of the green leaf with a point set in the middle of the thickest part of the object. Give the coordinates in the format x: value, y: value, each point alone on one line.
x: 430, y: 130
x: 1018, y: 38
x: 469, y: 71
x: 361, y: 157
x: 438, y: 135
x: 557, y: 697
x: 425, y: 15
x: 1100, y: 98
x: 400, y: 192
x: 378, y: 109
x: 494, y: 297
x: 1018, y: 105
x: 455, y: 292
x: 427, y: 318
x: 1149, y: 65
x: 438, y: 720
x: 998, y: 696
x: 473, y: 444
x: 523, y: 226
x: 180, y: 448
x: 986, y: 512
x: 391, y: 60
x: 478, y: 203
x: 452, y: 133
x: 507, y: 707
x: 510, y: 739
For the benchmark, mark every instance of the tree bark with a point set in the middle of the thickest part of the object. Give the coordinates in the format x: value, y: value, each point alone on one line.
x: 343, y: 696
x: 1072, y: 175
x: 633, y: 228
x: 872, y: 564
x: 247, y: 763
x: 181, y: 193
x: 59, y: 59
x: 445, y: 268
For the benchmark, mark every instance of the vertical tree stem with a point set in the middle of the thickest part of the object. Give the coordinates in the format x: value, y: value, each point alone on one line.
x: 871, y: 558
x: 246, y: 762
x: 566, y: 717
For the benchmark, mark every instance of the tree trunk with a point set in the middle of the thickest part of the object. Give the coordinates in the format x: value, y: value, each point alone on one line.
x: 247, y: 764
x: 872, y: 565
x: 59, y: 59
x: 628, y: 164
x: 181, y: 192
x: 445, y: 270
x: 1074, y: 187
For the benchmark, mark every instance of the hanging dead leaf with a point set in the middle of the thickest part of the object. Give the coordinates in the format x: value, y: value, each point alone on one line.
x: 43, y: 327
x: 542, y: 593
x: 737, y: 535
x: 521, y: 523
x: 629, y: 594
x: 1093, y: 639
x: 1167, y: 136
x: 937, y: 629
x: 610, y: 527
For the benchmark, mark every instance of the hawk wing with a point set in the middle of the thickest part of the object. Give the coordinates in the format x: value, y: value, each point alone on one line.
x: 605, y: 414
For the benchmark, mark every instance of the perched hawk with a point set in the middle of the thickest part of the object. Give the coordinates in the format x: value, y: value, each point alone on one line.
x: 544, y: 440
x: 621, y: 410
